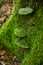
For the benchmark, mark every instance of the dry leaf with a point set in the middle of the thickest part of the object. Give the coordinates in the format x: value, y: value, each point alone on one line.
x: 2, y: 52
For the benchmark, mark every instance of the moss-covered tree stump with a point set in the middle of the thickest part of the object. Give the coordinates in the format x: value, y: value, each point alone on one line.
x: 23, y: 32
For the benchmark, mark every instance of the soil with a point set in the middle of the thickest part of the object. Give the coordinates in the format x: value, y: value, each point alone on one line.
x: 6, y: 58
x: 5, y: 11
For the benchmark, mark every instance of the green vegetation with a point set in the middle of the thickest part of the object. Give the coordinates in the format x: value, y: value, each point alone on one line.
x: 1, y: 1
x: 23, y: 34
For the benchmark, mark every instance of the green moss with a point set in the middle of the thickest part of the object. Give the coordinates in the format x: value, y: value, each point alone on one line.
x: 33, y: 26
x: 1, y: 1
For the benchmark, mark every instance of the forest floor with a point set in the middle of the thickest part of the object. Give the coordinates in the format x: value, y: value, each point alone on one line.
x: 6, y: 58
x: 5, y: 11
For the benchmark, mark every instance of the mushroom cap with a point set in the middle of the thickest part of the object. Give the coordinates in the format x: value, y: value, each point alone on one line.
x: 20, y: 32
x: 21, y: 43
x: 25, y: 11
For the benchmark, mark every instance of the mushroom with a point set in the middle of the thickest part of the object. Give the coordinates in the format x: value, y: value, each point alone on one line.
x: 20, y: 32
x: 25, y: 11
x: 21, y: 43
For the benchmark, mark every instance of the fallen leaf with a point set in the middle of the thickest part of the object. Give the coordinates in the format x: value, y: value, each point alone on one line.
x: 2, y: 52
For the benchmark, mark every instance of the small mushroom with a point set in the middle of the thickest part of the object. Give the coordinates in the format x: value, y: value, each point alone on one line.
x: 21, y: 43
x: 25, y: 11
x: 20, y: 32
